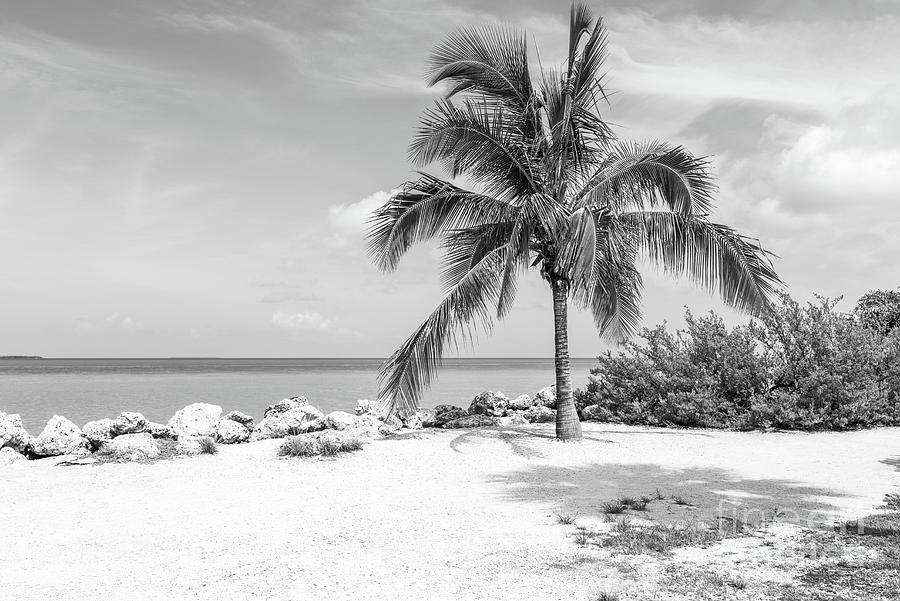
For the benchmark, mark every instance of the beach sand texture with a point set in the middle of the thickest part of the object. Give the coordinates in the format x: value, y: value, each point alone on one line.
x: 432, y: 515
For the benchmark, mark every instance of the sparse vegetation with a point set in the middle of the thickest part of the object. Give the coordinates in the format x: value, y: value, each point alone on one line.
x: 607, y: 596
x: 565, y: 518
x: 207, y: 446
x: 613, y: 507
x: 658, y: 538
x: 679, y: 500
x: 892, y: 501
x: 318, y: 446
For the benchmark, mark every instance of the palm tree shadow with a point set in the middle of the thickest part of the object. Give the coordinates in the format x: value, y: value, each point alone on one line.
x: 515, y: 438
x: 710, y: 493
x: 893, y: 462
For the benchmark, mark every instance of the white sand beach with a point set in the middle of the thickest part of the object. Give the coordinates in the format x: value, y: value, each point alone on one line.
x: 432, y: 515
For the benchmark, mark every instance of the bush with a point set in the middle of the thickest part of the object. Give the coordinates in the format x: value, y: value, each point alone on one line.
x: 799, y: 367
x: 316, y: 446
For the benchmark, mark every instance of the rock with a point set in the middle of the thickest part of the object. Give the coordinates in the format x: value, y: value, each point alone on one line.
x: 241, y: 418
x: 546, y: 397
x: 446, y: 408
x: 12, y: 433
x: 428, y: 417
x: 98, y: 432
x: 340, y: 420
x: 593, y: 413
x: 161, y: 431
x: 363, y: 406
x: 365, y: 425
x: 477, y: 420
x: 198, y: 419
x: 511, y: 420
x: 229, y: 431
x: 60, y: 437
x: 129, y: 422
x: 285, y: 405
x: 412, y: 422
x: 9, y: 455
x: 288, y: 417
x: 521, y: 403
x: 492, y: 404
x: 132, y: 447
x: 449, y: 416
x: 539, y: 414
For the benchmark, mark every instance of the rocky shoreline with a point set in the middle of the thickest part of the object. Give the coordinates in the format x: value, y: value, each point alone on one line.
x: 131, y: 436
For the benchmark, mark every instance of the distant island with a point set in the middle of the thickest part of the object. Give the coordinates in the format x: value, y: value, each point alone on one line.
x: 20, y: 357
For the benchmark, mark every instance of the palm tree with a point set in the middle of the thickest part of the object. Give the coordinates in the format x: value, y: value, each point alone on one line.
x: 547, y: 186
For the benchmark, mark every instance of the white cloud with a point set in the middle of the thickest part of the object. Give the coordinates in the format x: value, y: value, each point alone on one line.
x: 353, y: 218
x: 301, y: 321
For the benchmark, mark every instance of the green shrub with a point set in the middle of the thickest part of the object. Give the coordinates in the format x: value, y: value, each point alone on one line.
x: 798, y: 367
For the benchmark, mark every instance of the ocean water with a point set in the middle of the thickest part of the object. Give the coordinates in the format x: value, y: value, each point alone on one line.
x: 87, y: 389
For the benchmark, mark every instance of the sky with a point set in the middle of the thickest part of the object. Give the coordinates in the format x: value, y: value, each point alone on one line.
x: 192, y: 178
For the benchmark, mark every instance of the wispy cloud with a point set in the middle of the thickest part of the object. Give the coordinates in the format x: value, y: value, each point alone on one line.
x: 302, y: 322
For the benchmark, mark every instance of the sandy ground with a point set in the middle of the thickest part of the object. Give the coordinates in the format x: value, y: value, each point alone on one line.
x: 435, y: 515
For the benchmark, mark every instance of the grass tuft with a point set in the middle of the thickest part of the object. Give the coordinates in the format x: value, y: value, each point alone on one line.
x: 679, y: 500
x: 658, y: 538
x: 607, y: 596
x: 565, y: 518
x: 323, y: 446
x: 613, y: 507
x: 208, y: 446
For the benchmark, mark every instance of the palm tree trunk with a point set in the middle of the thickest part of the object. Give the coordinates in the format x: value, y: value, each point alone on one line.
x: 567, y: 425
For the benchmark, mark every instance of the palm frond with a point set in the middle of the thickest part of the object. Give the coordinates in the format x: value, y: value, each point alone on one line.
x: 578, y: 250
x: 423, y: 209
x: 478, y: 140
x: 713, y: 256
x: 581, y: 19
x: 636, y: 175
x: 410, y: 370
x: 491, y: 61
x: 465, y: 248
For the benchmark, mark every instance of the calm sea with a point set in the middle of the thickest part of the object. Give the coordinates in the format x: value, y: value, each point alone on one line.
x: 88, y: 389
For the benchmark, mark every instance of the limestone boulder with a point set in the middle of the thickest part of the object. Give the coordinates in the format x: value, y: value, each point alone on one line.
x: 129, y: 422
x: 241, y: 418
x: 364, y: 406
x: 539, y: 414
x: 198, y: 419
x: 60, y: 437
x: 477, y: 420
x: 12, y: 433
x: 427, y: 417
x: 340, y: 420
x: 445, y: 408
x: 98, y: 432
x: 365, y: 426
x: 520, y: 403
x: 231, y: 432
x: 412, y: 422
x: 132, y: 447
x: 161, y: 431
x: 448, y: 416
x: 511, y: 420
x: 492, y: 404
x: 9, y: 455
x: 288, y: 417
x: 546, y: 397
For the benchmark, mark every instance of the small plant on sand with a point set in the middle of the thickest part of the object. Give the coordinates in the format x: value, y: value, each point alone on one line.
x: 613, y: 507
x: 638, y: 504
x: 679, y: 500
x: 657, y: 495
x: 583, y: 536
x: 623, y: 525
x: 607, y: 596
x: 659, y: 538
x: 208, y: 446
x: 323, y: 446
x: 892, y: 502
x: 565, y: 518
